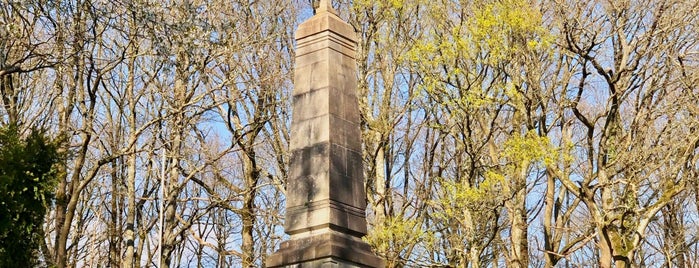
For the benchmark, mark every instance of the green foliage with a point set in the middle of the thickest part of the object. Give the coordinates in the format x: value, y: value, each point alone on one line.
x: 471, y: 204
x: 462, y: 195
x: 469, y: 209
x: 530, y: 148
x: 508, y: 27
x: 26, y: 186
x: 497, y: 29
x: 395, y: 235
x: 455, y: 58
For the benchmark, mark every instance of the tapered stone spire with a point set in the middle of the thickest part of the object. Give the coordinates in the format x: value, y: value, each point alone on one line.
x: 326, y: 6
x: 325, y: 215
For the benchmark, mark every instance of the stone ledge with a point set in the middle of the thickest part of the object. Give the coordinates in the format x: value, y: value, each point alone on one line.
x: 326, y: 40
x: 304, y: 252
x: 325, y: 214
x: 325, y: 21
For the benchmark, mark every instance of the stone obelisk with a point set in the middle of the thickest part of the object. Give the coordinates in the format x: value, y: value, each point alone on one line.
x: 325, y: 215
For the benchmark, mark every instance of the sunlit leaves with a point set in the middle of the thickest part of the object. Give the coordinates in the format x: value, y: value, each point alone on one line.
x: 530, y: 148
x: 396, y: 235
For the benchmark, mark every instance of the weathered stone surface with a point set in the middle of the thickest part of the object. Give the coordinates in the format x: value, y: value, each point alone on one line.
x: 326, y: 250
x: 326, y: 202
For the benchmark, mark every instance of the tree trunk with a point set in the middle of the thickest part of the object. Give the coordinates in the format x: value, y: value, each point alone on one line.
x: 550, y: 244
x: 130, y: 233
x: 8, y: 96
x: 65, y: 108
x: 519, y: 253
x: 69, y: 192
x: 474, y: 257
x: 114, y: 232
x: 169, y: 236
x: 248, y: 211
x: 379, y: 204
x: 517, y: 212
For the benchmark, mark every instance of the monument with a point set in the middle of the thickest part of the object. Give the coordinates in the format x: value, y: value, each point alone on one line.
x: 325, y: 215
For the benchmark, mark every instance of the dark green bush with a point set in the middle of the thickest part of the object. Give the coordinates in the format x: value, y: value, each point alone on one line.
x: 27, y: 183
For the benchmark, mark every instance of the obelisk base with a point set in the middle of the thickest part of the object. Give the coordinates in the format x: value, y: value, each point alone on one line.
x: 331, y: 250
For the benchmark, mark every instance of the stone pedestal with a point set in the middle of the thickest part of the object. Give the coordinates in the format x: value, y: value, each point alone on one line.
x: 326, y: 203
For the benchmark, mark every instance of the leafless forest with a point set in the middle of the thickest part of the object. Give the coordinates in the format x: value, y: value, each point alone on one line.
x: 497, y: 133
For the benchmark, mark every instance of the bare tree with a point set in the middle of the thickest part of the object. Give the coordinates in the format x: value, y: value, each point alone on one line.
x: 637, y: 145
